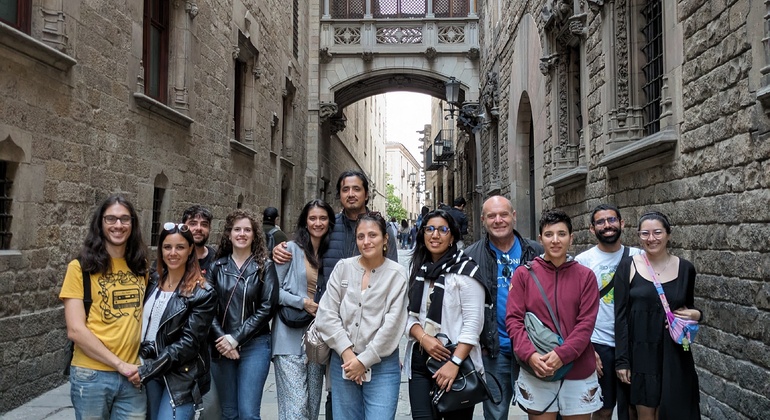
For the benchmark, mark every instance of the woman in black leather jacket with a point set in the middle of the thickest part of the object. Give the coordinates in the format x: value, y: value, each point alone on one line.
x: 247, y: 286
x: 178, y: 309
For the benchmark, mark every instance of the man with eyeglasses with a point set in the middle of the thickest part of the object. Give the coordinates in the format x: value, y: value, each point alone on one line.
x: 103, y: 292
x: 603, y: 258
x: 498, y: 254
x: 353, y: 193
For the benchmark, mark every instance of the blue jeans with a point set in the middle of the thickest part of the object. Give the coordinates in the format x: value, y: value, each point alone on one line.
x: 98, y: 394
x: 240, y: 382
x: 373, y: 400
x: 159, y: 404
x: 506, y: 370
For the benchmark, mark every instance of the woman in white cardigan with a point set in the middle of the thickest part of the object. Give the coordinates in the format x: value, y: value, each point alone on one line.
x: 361, y: 317
x: 298, y: 381
x: 446, y: 295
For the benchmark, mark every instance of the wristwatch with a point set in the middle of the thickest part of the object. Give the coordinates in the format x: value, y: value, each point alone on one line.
x: 456, y: 360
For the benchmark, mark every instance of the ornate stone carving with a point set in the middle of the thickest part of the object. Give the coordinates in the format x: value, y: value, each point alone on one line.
x: 54, y: 29
x: 490, y: 96
x: 347, y: 35
x: 367, y: 56
x: 547, y: 63
x: 180, y: 97
x: 452, y: 34
x: 621, y: 54
x: 468, y: 118
x: 431, y: 53
x: 324, y: 56
x: 399, y: 35
x: 192, y: 9
x: 326, y: 110
x: 556, y: 12
x: 577, y: 25
x: 256, y: 72
x: 140, y: 78
x: 595, y: 5
x: 236, y: 52
x: 337, y: 124
x: 473, y: 54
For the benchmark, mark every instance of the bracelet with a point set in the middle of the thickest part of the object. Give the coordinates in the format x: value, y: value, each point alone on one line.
x: 423, y: 336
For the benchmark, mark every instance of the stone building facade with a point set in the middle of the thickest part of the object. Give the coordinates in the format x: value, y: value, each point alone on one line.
x: 648, y: 105
x: 404, y: 172
x: 88, y: 109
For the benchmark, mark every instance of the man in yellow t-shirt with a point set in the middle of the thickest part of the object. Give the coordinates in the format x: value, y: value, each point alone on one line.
x: 107, y: 339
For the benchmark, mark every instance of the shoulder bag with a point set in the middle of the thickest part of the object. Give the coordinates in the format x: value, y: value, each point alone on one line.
x: 313, y: 345
x: 468, y: 389
x: 682, y: 331
x: 87, y: 301
x: 611, y: 285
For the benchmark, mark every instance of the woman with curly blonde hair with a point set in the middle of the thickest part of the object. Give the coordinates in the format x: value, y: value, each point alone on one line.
x: 247, y: 288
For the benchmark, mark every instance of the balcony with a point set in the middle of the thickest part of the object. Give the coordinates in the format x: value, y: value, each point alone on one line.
x: 442, y: 144
x: 399, y: 26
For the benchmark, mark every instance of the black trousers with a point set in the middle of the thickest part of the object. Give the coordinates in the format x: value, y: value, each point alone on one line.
x: 419, y: 392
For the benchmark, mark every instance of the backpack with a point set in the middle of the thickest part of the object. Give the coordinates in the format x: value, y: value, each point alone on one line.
x: 270, y: 240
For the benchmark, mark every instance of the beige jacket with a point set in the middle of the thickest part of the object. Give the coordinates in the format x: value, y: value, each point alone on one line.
x: 373, y: 321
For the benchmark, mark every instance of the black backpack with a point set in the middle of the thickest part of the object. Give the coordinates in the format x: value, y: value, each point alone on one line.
x: 270, y: 240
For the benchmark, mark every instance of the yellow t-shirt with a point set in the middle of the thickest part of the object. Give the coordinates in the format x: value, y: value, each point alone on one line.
x: 115, y: 317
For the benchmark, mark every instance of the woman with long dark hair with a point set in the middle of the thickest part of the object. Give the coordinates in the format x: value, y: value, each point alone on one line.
x: 247, y: 288
x: 447, y: 296
x: 178, y: 309
x: 361, y: 317
x: 662, y: 375
x: 298, y: 381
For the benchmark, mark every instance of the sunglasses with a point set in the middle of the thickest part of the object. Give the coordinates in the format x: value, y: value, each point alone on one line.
x: 179, y: 227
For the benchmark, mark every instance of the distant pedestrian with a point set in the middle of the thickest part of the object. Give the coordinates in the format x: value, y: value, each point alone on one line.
x: 106, y: 353
x: 273, y: 233
x: 404, y: 234
x: 462, y: 221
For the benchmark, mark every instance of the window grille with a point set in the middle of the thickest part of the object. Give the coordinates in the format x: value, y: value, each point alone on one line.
x: 295, y: 35
x: 348, y: 9
x: 238, y: 91
x: 653, y: 68
x: 450, y: 8
x: 5, y: 206
x: 382, y: 9
x: 157, y: 202
x: 155, y: 53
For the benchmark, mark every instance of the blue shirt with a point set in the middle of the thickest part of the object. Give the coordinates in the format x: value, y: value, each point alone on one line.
x: 506, y: 264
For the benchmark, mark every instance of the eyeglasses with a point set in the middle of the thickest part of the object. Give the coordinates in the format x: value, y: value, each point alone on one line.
x: 656, y: 234
x: 111, y: 220
x: 180, y: 227
x: 442, y: 230
x: 609, y: 221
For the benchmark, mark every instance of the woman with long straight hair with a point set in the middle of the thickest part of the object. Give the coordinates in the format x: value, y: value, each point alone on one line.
x: 447, y: 296
x: 178, y: 309
x: 361, y: 317
x: 298, y: 381
x: 247, y: 288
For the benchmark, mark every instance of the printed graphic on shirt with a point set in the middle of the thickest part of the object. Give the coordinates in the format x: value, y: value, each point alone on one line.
x: 607, y: 276
x: 121, y: 296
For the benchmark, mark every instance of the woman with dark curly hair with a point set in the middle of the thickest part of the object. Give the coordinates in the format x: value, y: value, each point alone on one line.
x: 247, y: 287
x: 178, y: 309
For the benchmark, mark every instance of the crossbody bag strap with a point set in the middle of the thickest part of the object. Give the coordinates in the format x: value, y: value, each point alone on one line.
x: 609, y: 286
x: 545, y: 298
x: 87, y: 298
x: 659, y: 288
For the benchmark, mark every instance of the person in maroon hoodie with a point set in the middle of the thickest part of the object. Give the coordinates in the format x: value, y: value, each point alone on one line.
x: 573, y: 296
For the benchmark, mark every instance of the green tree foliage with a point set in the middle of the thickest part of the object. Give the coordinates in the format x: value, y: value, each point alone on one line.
x: 395, y: 207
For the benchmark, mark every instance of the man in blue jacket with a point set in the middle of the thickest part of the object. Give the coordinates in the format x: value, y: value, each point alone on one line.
x: 498, y: 254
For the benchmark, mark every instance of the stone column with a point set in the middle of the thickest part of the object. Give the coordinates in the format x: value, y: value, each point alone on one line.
x: 54, y: 31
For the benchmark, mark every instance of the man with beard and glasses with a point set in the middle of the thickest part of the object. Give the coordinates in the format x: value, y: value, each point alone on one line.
x: 603, y: 259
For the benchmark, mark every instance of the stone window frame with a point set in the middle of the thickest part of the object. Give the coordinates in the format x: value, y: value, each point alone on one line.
x: 245, y: 73
x: 626, y: 145
x: 161, y: 23
x: 43, y: 37
x: 15, y: 150
x: 23, y: 21
x: 564, y: 32
x: 160, y: 207
x: 174, y: 103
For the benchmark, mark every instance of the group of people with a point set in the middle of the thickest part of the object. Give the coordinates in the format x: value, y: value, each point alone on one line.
x: 151, y: 341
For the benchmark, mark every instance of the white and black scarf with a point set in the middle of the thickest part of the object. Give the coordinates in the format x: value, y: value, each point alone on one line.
x: 453, y: 261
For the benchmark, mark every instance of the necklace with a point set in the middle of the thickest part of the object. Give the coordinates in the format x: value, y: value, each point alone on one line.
x: 665, y: 266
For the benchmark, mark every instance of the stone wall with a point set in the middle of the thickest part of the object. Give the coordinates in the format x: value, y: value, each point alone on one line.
x: 75, y: 134
x: 714, y: 183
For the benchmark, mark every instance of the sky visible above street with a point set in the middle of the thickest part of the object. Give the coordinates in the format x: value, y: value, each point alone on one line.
x: 407, y: 113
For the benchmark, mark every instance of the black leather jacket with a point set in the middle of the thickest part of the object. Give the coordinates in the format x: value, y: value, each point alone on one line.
x: 182, y: 360
x: 487, y: 262
x: 250, y: 299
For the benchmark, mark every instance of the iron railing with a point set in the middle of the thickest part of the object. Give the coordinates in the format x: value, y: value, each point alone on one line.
x: 5, y: 206
x: 398, y: 9
x: 653, y: 68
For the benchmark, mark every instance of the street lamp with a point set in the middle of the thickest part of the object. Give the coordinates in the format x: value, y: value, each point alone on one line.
x: 412, y: 178
x: 452, y: 95
x: 438, y: 146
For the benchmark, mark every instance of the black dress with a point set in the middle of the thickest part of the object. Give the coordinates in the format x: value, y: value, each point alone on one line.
x: 662, y: 373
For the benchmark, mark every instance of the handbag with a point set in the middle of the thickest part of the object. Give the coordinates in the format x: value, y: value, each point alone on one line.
x: 293, y: 317
x: 542, y: 337
x: 682, y: 331
x: 314, y: 346
x: 468, y: 389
